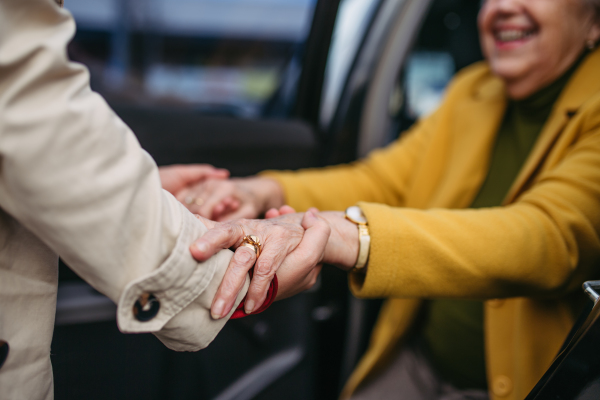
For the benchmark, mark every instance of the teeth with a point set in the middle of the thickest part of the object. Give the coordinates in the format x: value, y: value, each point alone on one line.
x: 512, y: 35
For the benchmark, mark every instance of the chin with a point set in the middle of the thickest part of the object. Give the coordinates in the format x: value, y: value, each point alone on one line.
x: 509, y: 69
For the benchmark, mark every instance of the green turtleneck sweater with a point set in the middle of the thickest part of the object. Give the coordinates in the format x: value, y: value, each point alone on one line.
x: 453, y: 329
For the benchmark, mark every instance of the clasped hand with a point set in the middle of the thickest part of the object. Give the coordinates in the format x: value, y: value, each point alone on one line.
x: 294, y: 245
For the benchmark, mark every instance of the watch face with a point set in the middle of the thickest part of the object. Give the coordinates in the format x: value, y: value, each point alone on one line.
x: 355, y: 214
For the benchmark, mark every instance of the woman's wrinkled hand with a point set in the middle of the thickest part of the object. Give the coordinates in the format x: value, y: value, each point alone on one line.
x: 292, y: 246
x: 343, y: 243
x: 175, y: 178
x: 226, y: 200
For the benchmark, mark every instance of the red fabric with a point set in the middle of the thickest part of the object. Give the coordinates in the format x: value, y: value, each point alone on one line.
x: 271, y: 294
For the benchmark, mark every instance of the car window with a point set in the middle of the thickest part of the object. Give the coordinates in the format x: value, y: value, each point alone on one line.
x: 447, y: 42
x: 427, y: 74
x: 232, y: 57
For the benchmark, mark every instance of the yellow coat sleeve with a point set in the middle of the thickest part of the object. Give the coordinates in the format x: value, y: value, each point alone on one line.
x: 545, y: 243
x: 384, y: 177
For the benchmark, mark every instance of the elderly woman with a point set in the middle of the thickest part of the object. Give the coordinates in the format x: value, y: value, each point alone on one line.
x: 489, y: 209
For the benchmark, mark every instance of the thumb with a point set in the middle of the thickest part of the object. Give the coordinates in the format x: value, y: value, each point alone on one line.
x: 285, y: 209
x: 311, y: 219
x: 203, y: 171
x: 315, y: 237
x: 272, y: 213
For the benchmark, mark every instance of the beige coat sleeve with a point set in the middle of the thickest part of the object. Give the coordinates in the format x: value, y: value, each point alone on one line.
x: 74, y: 174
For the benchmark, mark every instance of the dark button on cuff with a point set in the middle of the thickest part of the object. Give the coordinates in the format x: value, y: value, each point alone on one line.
x: 146, y: 307
x: 3, y: 352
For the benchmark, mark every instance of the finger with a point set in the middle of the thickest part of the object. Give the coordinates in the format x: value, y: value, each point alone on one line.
x: 221, y: 190
x: 177, y: 177
x: 230, y: 201
x: 219, y: 209
x: 242, y: 261
x: 198, y: 194
x: 191, y: 195
x: 286, y: 210
x: 265, y: 268
x: 272, y: 213
x: 229, y: 210
x: 245, y: 211
x: 207, y: 222
x: 235, y: 204
x: 315, y: 237
x: 197, y: 172
x: 222, y: 236
x: 311, y: 249
x: 306, y: 257
x: 227, y: 205
x: 182, y: 195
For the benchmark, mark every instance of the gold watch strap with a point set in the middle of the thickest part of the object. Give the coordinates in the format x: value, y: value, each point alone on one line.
x: 354, y: 214
x: 364, y: 245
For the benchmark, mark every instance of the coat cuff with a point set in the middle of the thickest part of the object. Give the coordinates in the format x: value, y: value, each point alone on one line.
x: 369, y: 284
x: 176, y: 284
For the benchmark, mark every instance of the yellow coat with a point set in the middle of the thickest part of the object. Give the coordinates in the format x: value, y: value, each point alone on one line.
x: 527, y: 258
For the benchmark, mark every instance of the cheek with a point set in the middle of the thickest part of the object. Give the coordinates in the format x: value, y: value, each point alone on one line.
x: 484, y: 26
x: 487, y: 42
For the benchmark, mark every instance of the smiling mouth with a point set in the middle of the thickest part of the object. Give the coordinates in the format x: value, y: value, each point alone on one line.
x: 513, y: 35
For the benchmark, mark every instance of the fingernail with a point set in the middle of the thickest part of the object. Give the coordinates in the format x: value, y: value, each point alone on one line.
x: 202, y: 246
x: 249, y: 306
x: 217, y: 309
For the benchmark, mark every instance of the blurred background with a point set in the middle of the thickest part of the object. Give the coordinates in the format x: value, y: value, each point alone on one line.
x: 223, y: 56
x: 250, y: 85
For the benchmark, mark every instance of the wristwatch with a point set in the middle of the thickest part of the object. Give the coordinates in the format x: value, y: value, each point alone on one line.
x: 354, y: 214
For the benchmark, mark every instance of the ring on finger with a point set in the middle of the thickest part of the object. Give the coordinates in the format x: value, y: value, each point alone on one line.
x: 252, y: 242
x: 194, y: 200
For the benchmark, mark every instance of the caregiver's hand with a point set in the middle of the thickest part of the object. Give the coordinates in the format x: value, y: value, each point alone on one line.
x: 280, y: 239
x: 175, y: 178
x: 226, y: 200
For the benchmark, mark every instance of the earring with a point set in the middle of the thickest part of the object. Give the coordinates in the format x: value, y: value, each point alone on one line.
x: 591, y: 44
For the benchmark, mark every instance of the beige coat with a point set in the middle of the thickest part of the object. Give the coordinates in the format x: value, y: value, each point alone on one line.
x: 74, y: 182
x: 533, y: 253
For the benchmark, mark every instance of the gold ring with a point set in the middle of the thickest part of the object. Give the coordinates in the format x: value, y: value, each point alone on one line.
x: 252, y: 242
x: 194, y: 200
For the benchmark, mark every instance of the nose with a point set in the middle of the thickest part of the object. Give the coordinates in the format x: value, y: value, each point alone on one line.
x: 492, y: 9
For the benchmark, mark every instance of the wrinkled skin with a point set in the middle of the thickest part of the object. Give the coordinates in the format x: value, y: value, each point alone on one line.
x: 177, y: 178
x: 225, y: 200
x: 292, y: 247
